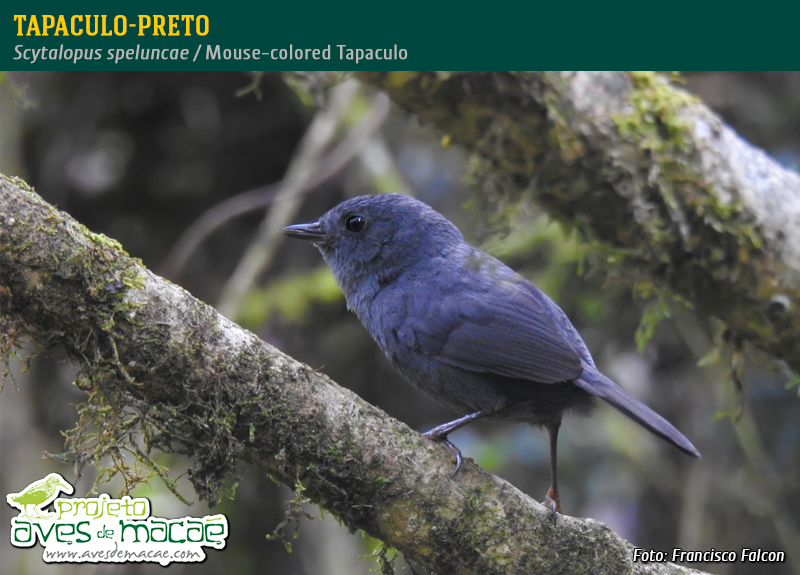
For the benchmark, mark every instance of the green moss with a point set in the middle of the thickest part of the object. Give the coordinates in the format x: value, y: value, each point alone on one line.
x: 51, y: 229
x: 103, y: 240
x: 655, y: 311
x: 655, y: 121
x: 656, y: 124
x: 396, y: 80
x: 290, y: 525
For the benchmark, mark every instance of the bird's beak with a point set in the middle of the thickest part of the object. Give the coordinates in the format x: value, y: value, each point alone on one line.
x: 309, y: 231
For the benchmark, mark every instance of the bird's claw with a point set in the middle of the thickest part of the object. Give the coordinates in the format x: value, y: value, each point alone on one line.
x: 455, y: 452
x: 553, y: 502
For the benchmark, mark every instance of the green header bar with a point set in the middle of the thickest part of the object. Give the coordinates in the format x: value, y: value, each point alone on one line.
x: 310, y: 35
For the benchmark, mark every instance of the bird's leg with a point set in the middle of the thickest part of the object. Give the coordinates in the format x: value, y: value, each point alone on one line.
x: 28, y: 507
x: 553, y: 500
x: 441, y: 432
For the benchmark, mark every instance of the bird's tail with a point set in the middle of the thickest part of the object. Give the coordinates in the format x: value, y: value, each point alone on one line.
x: 599, y: 385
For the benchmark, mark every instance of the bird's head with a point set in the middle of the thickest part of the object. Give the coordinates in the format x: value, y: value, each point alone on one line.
x: 54, y: 480
x: 376, y: 238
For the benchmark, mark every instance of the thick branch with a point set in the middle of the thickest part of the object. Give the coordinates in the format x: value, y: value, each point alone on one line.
x: 204, y: 386
x: 639, y: 166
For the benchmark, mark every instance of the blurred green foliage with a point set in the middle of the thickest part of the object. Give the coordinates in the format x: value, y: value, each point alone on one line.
x: 289, y: 298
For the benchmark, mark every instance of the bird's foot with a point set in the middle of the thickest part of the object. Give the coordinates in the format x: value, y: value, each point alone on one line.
x: 553, y: 502
x: 455, y: 452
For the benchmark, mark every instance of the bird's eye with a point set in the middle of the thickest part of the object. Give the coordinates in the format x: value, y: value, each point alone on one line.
x: 355, y: 224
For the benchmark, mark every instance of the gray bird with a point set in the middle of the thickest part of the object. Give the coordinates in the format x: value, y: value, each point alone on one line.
x: 462, y: 326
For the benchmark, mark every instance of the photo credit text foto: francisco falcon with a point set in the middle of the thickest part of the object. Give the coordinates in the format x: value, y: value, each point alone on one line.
x: 679, y: 555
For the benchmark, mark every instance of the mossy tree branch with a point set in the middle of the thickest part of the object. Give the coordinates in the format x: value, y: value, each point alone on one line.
x: 184, y: 379
x: 641, y: 167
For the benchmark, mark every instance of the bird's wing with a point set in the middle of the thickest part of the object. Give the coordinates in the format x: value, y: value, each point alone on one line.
x: 570, y: 333
x: 505, y: 328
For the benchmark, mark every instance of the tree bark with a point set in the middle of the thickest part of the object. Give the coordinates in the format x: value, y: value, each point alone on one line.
x: 187, y: 380
x: 640, y: 167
